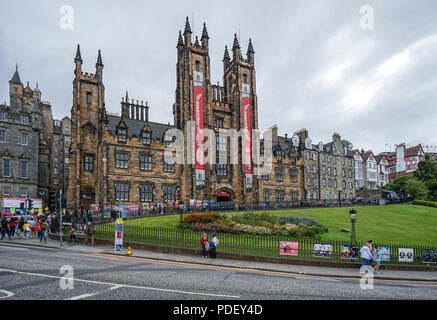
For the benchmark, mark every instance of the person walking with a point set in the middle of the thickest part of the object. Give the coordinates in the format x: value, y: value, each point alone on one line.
x: 43, y: 232
x: 4, y: 227
x: 20, y: 227
x: 205, y: 245
x: 73, y: 234
x: 366, y: 255
x: 213, y: 246
x: 26, y: 229
x: 32, y: 223
x: 377, y: 258
x: 89, y: 231
x: 12, y: 226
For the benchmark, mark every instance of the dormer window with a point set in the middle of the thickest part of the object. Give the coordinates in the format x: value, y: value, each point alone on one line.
x: 295, y: 140
x: 122, y: 133
x: 168, y: 140
x: 146, y: 138
x: 25, y: 119
x: 279, y: 155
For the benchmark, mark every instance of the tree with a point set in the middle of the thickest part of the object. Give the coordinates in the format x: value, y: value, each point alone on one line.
x: 416, y: 188
x: 432, y: 189
x: 399, y: 185
x: 347, y: 144
x: 427, y: 169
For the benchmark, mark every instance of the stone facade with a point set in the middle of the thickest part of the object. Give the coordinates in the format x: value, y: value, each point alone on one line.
x: 20, y: 123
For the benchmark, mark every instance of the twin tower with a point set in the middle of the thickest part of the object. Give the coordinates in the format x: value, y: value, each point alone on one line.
x: 231, y: 106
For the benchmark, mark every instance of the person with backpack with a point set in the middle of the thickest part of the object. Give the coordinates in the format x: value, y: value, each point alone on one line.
x: 205, y: 245
x: 366, y: 255
x: 43, y: 233
x: 213, y: 246
x: 89, y: 231
x: 26, y: 229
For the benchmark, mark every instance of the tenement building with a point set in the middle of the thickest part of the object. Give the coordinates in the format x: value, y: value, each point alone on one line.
x: 20, y: 122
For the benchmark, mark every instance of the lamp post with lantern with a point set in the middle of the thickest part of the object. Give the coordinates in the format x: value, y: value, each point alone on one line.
x: 353, y: 215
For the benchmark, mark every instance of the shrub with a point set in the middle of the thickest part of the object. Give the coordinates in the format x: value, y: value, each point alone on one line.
x: 257, y: 219
x: 425, y: 203
x: 253, y: 229
x: 297, y: 220
x: 205, y: 217
x: 213, y: 227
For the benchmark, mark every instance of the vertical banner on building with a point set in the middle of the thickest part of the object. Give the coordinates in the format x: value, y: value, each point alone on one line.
x: 247, y: 136
x: 118, y: 247
x: 199, y: 148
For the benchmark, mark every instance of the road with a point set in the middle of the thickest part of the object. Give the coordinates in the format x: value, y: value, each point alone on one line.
x: 34, y: 272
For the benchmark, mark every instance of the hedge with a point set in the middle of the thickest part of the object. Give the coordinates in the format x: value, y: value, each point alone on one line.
x: 425, y: 203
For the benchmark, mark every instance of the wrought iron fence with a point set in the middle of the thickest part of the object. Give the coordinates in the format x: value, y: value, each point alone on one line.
x: 267, y: 245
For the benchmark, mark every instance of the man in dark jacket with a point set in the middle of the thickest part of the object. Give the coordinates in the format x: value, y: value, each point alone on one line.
x: 4, y: 227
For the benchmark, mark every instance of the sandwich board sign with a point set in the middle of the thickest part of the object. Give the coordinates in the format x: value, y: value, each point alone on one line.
x: 118, y: 247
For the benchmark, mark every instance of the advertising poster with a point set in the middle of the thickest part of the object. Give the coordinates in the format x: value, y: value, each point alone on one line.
x: 247, y: 135
x: 349, y: 252
x: 428, y: 256
x: 385, y: 253
x: 406, y: 255
x: 106, y: 212
x: 80, y: 228
x: 289, y: 248
x: 94, y: 208
x: 199, y: 148
x: 322, y: 250
x: 118, y: 246
x: 16, y: 202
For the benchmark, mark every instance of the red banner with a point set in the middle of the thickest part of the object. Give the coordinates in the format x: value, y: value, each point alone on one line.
x: 247, y: 139
x: 198, y: 129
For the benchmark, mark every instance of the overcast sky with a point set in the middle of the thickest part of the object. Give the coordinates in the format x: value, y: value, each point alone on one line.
x: 316, y: 67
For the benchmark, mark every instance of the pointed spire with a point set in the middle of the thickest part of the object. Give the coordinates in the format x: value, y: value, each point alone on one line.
x: 226, y: 56
x: 180, y: 39
x: 197, y: 42
x: 187, y: 26
x: 236, y: 44
x: 78, y: 56
x: 205, y: 32
x: 250, y: 47
x: 16, y: 77
x: 99, y: 59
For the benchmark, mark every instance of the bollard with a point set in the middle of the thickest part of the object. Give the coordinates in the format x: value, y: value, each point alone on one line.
x: 129, y: 253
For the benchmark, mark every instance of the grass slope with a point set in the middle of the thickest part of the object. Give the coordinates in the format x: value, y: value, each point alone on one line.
x: 396, y: 224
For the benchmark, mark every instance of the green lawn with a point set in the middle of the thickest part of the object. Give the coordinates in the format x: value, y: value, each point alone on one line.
x: 396, y: 224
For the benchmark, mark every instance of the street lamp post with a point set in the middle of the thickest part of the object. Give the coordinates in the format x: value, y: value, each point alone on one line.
x: 353, y: 215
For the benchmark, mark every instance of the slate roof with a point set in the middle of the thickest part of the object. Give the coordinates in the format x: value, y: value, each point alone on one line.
x: 134, y: 127
x: 16, y: 78
x: 412, y: 151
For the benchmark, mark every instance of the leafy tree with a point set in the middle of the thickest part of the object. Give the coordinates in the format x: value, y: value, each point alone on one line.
x: 416, y: 188
x: 399, y: 185
x: 427, y: 169
x: 432, y: 189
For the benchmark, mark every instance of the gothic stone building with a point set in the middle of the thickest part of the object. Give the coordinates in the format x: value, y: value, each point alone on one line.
x: 120, y: 159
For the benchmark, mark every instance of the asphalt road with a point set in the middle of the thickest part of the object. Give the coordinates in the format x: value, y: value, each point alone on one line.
x: 34, y: 273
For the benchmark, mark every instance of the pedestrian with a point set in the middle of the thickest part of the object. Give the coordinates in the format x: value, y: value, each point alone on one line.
x: 33, y: 231
x: 73, y: 234
x: 12, y: 226
x: 213, y: 246
x: 43, y: 232
x: 205, y: 245
x: 26, y: 229
x: 4, y: 227
x: 20, y: 227
x: 89, y: 231
x: 377, y: 258
x: 366, y: 255
x: 370, y: 245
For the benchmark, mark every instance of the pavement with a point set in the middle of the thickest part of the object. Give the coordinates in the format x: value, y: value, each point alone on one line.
x: 331, y: 272
x: 46, y: 272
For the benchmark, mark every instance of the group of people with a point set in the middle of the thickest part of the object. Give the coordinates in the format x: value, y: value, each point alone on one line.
x: 371, y: 257
x: 211, y: 246
x: 28, y: 228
